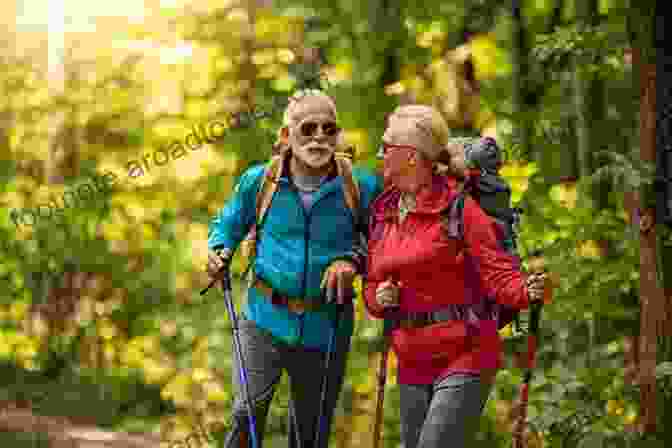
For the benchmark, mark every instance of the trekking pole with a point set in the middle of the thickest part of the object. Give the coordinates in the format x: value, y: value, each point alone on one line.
x: 382, y: 379
x: 532, y: 341
x: 242, y: 372
x: 210, y: 285
x: 322, y: 423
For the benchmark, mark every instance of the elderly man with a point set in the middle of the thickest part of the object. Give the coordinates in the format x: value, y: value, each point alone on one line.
x: 309, y: 210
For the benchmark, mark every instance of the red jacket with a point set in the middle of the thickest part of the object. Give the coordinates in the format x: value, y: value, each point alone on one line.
x: 437, y: 272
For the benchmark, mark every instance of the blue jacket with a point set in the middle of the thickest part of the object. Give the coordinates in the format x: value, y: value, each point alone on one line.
x: 294, y: 247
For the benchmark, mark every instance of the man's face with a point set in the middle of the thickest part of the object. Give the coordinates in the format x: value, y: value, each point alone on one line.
x: 314, y: 133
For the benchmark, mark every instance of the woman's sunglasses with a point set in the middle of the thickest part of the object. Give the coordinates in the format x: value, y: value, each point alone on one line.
x: 384, y: 148
x: 309, y: 128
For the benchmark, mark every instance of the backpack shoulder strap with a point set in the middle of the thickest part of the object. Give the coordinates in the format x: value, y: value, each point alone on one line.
x: 269, y: 184
x: 452, y: 217
x: 350, y: 186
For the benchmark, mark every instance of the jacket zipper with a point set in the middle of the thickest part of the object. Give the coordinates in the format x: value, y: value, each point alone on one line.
x: 306, y: 239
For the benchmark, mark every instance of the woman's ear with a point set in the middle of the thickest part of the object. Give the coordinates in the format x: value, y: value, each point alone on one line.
x: 413, y: 158
x: 284, y: 134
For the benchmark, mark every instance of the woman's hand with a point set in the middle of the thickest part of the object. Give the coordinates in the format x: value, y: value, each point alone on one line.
x: 536, y: 283
x: 387, y: 294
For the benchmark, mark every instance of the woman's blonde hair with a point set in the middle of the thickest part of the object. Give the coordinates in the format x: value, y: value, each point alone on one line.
x: 452, y: 161
x: 430, y: 121
x: 288, y: 117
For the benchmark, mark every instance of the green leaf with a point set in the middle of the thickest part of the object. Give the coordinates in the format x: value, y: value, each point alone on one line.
x: 664, y: 369
x: 285, y: 84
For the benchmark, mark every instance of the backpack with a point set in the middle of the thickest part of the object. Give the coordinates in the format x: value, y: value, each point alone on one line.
x: 269, y: 185
x: 493, y: 194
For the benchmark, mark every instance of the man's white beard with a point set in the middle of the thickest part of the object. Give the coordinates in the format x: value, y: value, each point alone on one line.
x: 315, y: 158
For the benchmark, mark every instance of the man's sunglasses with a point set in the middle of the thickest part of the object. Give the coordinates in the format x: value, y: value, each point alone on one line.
x: 384, y: 148
x: 309, y: 128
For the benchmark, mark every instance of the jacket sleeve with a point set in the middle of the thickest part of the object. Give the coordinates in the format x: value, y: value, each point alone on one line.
x: 233, y: 222
x: 500, y: 274
x: 370, y: 188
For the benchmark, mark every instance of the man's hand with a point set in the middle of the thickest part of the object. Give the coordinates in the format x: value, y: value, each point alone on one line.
x: 535, y: 286
x: 387, y: 294
x: 338, y: 280
x: 216, y: 261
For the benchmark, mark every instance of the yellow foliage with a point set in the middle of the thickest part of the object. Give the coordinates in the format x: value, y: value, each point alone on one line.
x: 430, y: 38
x: 224, y: 64
x: 199, y: 375
x: 109, y: 351
x: 39, y: 325
x: 215, y: 392
x: 482, y: 117
x: 25, y: 184
x: 106, y: 329
x: 342, y: 71
x: 564, y: 194
x: 264, y: 57
x: 270, y: 27
x: 613, y: 407
x: 29, y: 364
x: 182, y: 281
x: 156, y: 373
x: 272, y: 70
x: 589, y: 249
x: 27, y: 349
x: 485, y: 55
x: 358, y: 138
x: 395, y: 89
x: 630, y: 418
x: 18, y: 310
x: 132, y: 355
x: 5, y: 348
x: 237, y: 16
x: 507, y: 331
x: 518, y: 174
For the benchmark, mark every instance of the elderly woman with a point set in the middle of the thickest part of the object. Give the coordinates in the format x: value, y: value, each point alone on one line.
x: 433, y: 285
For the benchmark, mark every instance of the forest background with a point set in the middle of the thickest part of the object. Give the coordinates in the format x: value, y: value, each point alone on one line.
x: 101, y: 323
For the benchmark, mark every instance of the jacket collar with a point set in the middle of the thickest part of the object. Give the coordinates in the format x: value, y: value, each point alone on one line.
x: 431, y: 200
x: 332, y: 183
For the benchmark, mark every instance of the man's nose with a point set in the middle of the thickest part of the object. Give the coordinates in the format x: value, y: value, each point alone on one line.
x: 320, y: 134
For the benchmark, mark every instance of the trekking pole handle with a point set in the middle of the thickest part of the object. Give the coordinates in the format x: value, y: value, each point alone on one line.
x: 225, y: 279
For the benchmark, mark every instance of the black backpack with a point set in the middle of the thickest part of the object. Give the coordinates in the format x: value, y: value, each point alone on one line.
x: 493, y: 194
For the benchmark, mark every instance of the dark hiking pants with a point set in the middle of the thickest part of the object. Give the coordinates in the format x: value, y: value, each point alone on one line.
x: 442, y: 415
x: 265, y: 360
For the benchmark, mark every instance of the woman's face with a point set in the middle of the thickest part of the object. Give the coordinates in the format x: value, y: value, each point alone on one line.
x: 314, y: 133
x: 398, y: 149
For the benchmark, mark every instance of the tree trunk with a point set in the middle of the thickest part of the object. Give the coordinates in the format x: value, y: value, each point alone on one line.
x: 521, y: 97
x: 652, y: 298
x: 664, y: 161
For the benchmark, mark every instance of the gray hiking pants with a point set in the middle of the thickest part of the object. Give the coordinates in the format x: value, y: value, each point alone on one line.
x: 442, y: 415
x: 265, y: 359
